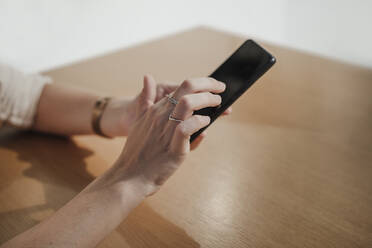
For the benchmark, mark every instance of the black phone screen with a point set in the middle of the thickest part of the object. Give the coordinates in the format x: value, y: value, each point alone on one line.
x: 248, y: 63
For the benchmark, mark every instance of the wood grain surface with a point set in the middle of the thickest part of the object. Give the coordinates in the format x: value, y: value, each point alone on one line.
x: 291, y: 167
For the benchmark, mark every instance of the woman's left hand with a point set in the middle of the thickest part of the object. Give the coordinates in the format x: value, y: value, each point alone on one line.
x: 121, y: 114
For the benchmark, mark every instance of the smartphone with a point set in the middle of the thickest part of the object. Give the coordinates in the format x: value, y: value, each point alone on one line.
x: 239, y: 72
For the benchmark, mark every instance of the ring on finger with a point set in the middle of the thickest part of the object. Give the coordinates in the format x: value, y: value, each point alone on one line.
x: 172, y: 99
x: 171, y: 118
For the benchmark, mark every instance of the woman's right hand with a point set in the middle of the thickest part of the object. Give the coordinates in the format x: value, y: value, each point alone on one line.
x: 156, y: 146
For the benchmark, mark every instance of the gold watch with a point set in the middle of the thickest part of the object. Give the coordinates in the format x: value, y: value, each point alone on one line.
x: 99, y: 108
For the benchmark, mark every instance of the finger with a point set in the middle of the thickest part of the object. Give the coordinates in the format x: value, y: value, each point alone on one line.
x: 196, y: 142
x: 190, y: 103
x: 160, y: 92
x: 164, y: 89
x: 180, y: 143
x: 227, y: 111
x: 169, y: 88
x: 199, y: 85
x: 148, y: 94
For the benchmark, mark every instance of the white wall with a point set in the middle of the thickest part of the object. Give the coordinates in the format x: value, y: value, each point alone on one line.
x: 41, y: 34
x: 340, y: 29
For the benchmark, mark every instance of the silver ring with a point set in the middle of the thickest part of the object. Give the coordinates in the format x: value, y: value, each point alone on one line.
x: 172, y: 100
x: 174, y: 119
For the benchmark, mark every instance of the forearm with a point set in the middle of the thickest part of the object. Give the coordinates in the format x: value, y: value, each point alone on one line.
x: 86, y: 219
x: 65, y: 111
x: 68, y: 111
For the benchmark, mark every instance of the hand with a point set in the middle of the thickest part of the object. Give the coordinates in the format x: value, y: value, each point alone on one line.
x: 121, y: 114
x: 156, y: 146
x: 154, y: 149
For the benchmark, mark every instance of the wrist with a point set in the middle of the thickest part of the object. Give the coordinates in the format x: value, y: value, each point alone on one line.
x: 120, y: 179
x: 126, y: 193
x: 114, y: 120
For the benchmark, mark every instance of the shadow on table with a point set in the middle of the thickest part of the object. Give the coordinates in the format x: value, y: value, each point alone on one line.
x: 58, y: 164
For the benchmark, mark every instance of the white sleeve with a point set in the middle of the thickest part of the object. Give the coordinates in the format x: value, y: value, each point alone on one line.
x: 19, y: 96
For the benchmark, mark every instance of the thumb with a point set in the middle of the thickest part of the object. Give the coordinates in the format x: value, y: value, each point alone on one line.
x: 148, y: 94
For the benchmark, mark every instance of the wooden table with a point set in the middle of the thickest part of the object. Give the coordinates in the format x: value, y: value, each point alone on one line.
x: 292, y: 167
